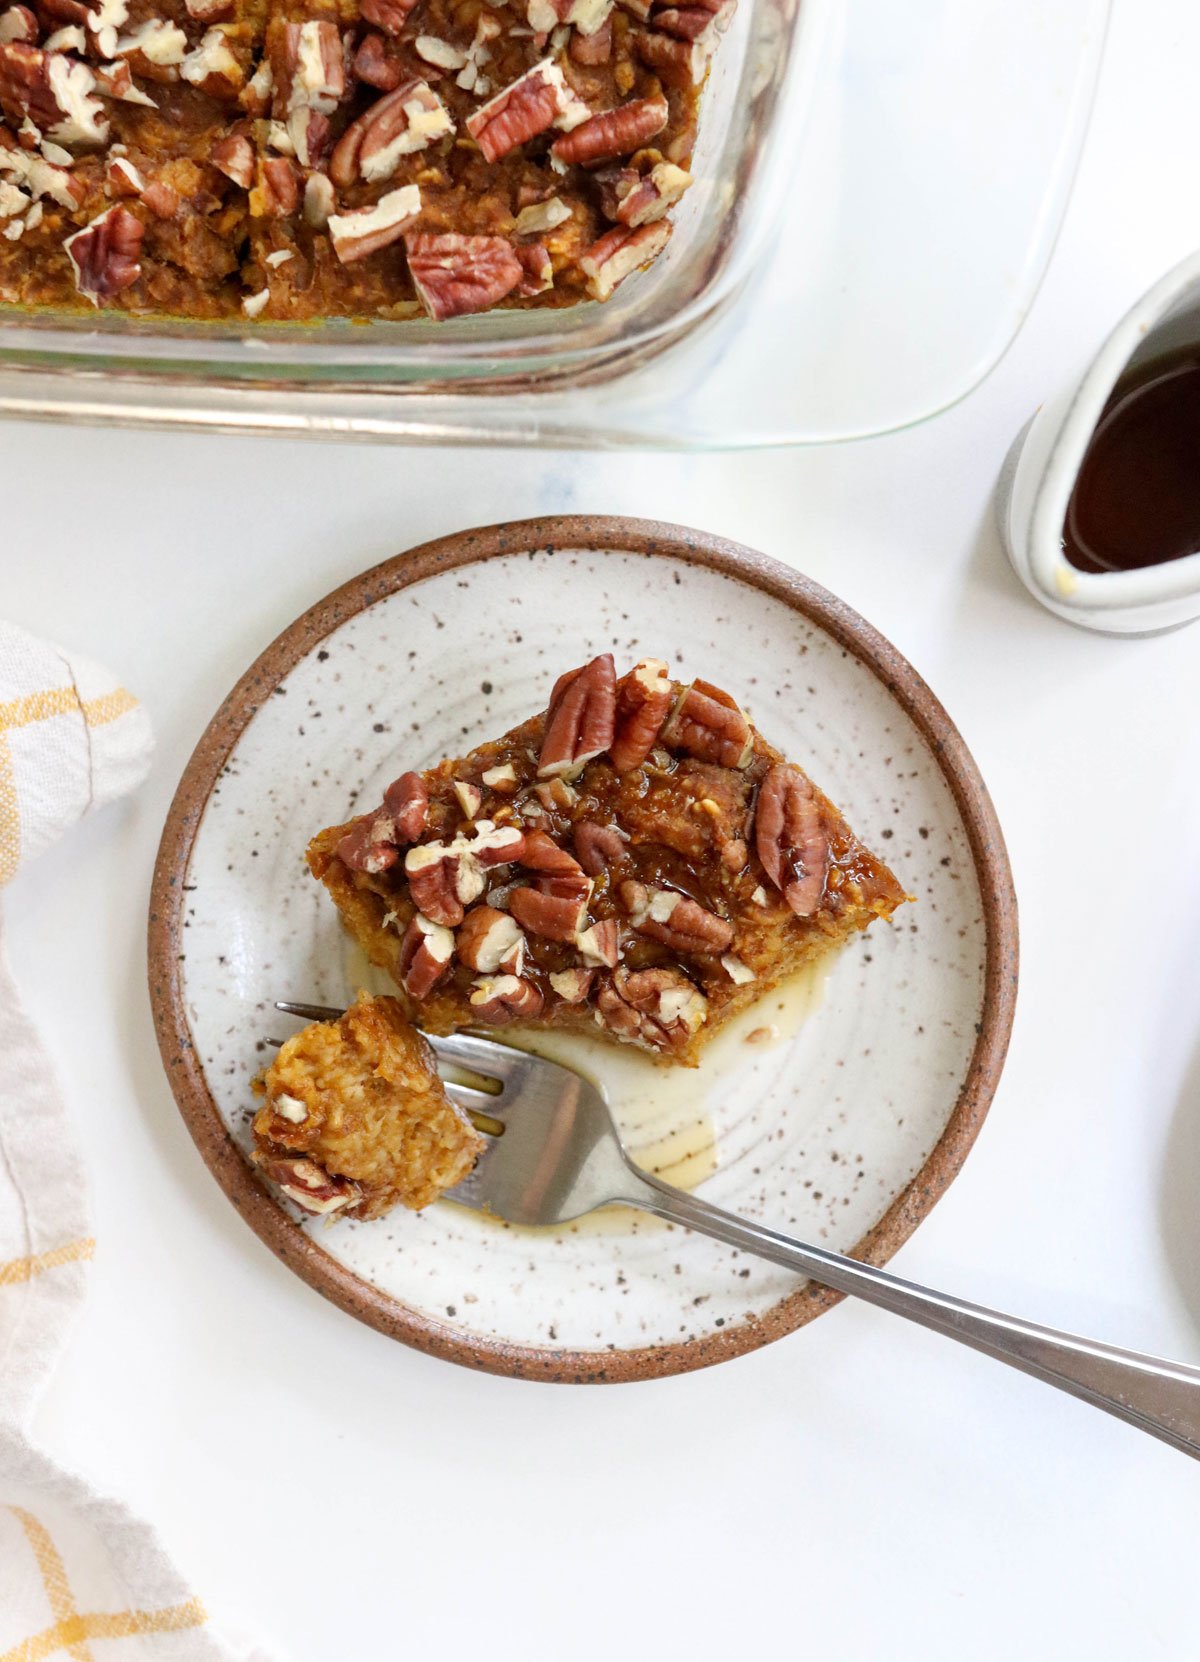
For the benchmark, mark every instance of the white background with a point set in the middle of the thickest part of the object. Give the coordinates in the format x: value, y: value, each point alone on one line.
x: 861, y: 1489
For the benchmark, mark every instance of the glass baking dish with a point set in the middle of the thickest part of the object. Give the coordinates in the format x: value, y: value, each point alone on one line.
x: 821, y: 131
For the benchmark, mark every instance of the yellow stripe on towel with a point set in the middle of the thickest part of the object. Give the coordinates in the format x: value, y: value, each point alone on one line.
x: 24, y: 1269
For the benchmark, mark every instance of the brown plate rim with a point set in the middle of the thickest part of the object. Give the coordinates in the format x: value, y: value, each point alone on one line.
x: 586, y: 532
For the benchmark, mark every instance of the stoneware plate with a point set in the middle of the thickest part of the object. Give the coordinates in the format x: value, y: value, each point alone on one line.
x: 842, y: 1122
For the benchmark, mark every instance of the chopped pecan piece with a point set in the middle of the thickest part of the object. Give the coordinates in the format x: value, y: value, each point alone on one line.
x: 573, y: 985
x: 18, y: 23
x: 370, y: 846
x: 791, y: 839
x: 502, y: 779
x: 657, y: 1008
x: 443, y: 880
x: 497, y: 845
x: 439, y: 53
x: 121, y: 178
x: 311, y: 1187
x: 675, y: 919
x: 536, y: 101
x: 388, y: 15
x: 490, y: 940
x: 579, y: 719
x: 210, y: 11
x: 537, y: 270
x: 593, y: 49
x: 162, y: 201
x: 319, y: 200
x: 53, y: 91
x: 115, y: 80
x: 372, y: 64
x: 599, y: 846
x: 233, y: 156
x: 682, y: 62
x: 309, y: 74
x: 397, y: 125
x: 105, y: 254
x: 555, y: 916
x: 454, y: 275
x: 643, y: 702
x: 276, y: 195
x: 156, y: 48
x: 612, y: 133
x: 425, y: 955
x: 255, y: 97
x: 620, y: 252
x: 505, y: 998
x: 557, y: 903
x: 407, y: 801
x: 601, y: 944
x: 709, y: 724
x: 364, y: 231
x: 538, y: 217
x: 213, y: 68
x: 646, y: 199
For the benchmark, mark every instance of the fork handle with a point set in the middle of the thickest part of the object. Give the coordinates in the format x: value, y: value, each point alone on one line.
x: 1155, y: 1395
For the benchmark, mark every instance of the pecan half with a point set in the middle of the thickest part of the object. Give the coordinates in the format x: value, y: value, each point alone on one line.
x: 573, y: 985
x: 425, y: 955
x: 443, y: 880
x: 601, y: 944
x: 490, y: 940
x: 657, y: 1008
x: 373, y: 66
x: 388, y: 15
x: 536, y: 101
x: 791, y: 839
x: 407, y: 801
x: 308, y: 1184
x: 620, y: 252
x: 678, y: 63
x: 612, y: 133
x: 644, y: 200
x: 579, y: 719
x: 18, y: 23
x: 105, y: 254
x: 643, y: 702
x: 54, y: 91
x: 365, y: 231
x: 454, y: 274
x: 505, y: 998
x: 233, y: 156
x: 675, y: 919
x: 598, y: 846
x: 709, y: 724
x: 395, y: 126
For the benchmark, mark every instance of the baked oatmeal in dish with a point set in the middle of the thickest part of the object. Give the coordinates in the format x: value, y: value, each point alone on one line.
x: 304, y: 159
x: 637, y: 861
x: 356, y: 1119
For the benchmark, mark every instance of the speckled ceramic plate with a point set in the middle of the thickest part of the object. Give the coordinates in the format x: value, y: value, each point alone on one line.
x: 842, y: 1122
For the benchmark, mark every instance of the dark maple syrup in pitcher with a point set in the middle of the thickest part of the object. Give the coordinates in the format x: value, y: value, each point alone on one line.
x: 1136, y: 501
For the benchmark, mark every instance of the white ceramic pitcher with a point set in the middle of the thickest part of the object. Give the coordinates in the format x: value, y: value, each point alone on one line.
x: 1040, y: 472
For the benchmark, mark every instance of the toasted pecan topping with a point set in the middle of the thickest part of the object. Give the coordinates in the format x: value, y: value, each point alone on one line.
x: 580, y: 719
x: 455, y: 275
x: 105, y: 254
x: 425, y: 955
x: 791, y: 839
x: 612, y: 133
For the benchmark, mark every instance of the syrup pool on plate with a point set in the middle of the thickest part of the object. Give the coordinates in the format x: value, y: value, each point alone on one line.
x: 660, y: 1110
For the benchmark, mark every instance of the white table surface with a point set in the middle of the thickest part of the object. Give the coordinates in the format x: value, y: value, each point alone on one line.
x: 861, y: 1489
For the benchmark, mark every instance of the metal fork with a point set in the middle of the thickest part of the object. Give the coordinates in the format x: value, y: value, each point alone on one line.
x: 558, y: 1155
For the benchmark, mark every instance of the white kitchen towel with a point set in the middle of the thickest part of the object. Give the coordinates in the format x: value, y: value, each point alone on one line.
x: 80, y: 1576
